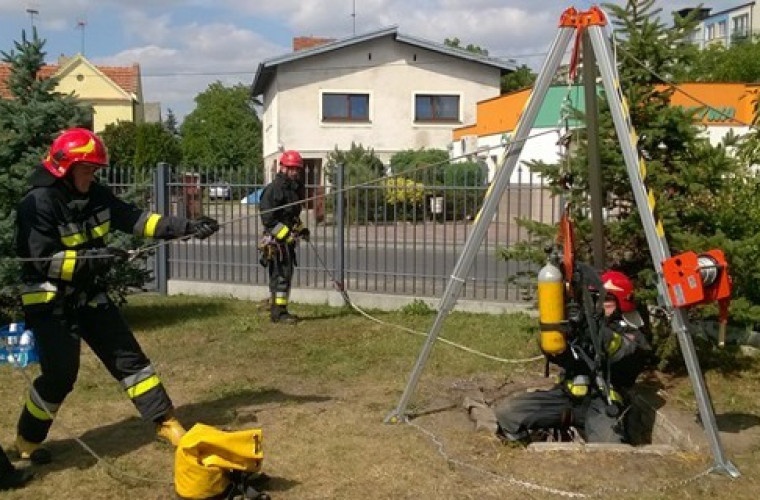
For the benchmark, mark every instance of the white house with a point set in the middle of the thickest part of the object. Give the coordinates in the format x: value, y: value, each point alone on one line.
x: 723, y: 108
x: 726, y: 26
x: 384, y: 90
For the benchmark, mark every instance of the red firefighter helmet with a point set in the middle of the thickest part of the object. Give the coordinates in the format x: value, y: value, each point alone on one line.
x: 75, y: 145
x: 620, y: 286
x: 291, y: 158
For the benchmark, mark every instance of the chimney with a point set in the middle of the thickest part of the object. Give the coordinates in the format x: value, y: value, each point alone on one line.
x: 62, y: 59
x: 308, y: 42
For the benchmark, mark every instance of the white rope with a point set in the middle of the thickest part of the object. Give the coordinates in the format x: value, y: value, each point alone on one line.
x: 603, y: 492
x: 111, y: 469
x: 347, y: 299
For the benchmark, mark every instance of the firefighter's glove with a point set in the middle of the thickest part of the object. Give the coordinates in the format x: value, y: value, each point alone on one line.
x: 304, y: 234
x: 100, y: 260
x: 118, y: 254
x: 203, y: 227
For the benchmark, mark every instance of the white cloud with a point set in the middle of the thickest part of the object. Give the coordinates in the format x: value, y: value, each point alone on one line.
x: 199, y: 55
x: 172, y: 37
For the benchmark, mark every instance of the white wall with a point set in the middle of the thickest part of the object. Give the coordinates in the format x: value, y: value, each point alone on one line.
x: 391, y: 72
x: 544, y: 148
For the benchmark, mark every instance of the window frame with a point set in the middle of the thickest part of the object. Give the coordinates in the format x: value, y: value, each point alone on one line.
x: 436, y: 120
x: 348, y: 120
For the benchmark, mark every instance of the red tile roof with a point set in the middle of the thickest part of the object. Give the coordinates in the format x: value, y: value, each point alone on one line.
x: 126, y: 77
x: 307, y: 42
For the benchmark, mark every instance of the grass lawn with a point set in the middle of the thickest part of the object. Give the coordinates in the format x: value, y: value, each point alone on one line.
x: 320, y: 392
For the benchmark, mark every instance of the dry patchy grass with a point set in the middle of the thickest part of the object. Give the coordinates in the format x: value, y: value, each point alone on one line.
x: 321, y: 390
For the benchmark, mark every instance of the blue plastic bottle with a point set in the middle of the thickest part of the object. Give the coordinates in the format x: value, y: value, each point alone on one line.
x: 17, y: 346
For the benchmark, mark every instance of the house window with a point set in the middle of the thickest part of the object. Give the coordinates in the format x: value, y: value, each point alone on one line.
x: 436, y: 108
x: 342, y: 107
x: 722, y: 29
x: 740, y: 26
x: 710, y: 31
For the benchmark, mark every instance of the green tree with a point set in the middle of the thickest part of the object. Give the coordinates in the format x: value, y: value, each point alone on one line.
x: 29, y: 121
x: 223, y: 133
x: 457, y: 44
x: 738, y: 63
x: 170, y: 123
x: 120, y: 139
x: 153, y: 144
x: 416, y: 161
x: 521, y: 78
x: 361, y: 168
x: 690, y: 178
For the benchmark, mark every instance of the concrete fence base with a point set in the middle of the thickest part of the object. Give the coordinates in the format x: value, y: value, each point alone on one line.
x: 383, y: 302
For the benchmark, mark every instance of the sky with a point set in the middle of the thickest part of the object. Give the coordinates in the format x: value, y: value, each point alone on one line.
x: 183, y: 46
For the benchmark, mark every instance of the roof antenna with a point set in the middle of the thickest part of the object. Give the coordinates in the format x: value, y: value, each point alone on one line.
x: 81, y: 23
x: 32, y: 12
x: 353, y: 15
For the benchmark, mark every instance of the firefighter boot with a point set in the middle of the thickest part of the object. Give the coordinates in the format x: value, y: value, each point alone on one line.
x: 169, y: 429
x: 34, y: 452
x: 12, y: 478
x: 280, y: 314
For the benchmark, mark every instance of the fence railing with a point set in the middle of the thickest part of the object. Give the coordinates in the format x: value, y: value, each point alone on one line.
x: 391, y: 234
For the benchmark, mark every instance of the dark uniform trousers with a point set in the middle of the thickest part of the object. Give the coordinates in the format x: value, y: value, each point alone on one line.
x: 281, y: 268
x: 108, y: 335
x: 280, y: 206
x: 556, y: 409
x: 64, y: 303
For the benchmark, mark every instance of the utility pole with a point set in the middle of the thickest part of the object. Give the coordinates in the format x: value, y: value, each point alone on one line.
x: 81, y: 24
x: 353, y: 16
x: 32, y: 12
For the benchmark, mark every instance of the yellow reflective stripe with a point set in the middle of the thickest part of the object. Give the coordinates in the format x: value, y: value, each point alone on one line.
x: 69, y: 263
x: 36, y: 411
x: 615, y: 342
x: 29, y: 299
x: 651, y: 200
x: 143, y: 387
x: 660, y: 229
x: 73, y: 240
x: 101, y: 230
x: 281, y: 301
x: 615, y: 396
x: 282, y: 232
x: 150, y: 225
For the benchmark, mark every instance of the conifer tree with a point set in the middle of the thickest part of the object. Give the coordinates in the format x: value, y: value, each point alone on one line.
x: 690, y: 178
x: 29, y: 120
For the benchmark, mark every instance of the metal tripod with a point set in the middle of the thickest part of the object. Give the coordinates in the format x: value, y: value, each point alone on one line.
x: 588, y: 24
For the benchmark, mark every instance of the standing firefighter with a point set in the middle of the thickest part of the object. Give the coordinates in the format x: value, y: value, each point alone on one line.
x: 280, y: 207
x: 63, y: 221
x: 591, y: 397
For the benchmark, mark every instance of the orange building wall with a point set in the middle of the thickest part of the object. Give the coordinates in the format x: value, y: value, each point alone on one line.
x: 496, y: 115
x: 500, y: 114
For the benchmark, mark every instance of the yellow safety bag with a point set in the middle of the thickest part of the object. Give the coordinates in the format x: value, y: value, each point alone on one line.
x: 206, y: 457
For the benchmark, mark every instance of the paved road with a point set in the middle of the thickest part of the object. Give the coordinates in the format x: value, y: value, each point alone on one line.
x: 391, y: 268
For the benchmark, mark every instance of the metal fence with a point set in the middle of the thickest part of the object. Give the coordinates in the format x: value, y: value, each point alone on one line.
x: 378, y: 232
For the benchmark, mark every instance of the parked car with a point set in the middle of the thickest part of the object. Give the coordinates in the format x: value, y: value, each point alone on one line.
x: 220, y: 191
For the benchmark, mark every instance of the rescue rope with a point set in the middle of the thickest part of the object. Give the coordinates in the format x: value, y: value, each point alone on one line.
x: 602, y: 492
x: 341, y: 288
x: 153, y: 246
x: 110, y: 468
